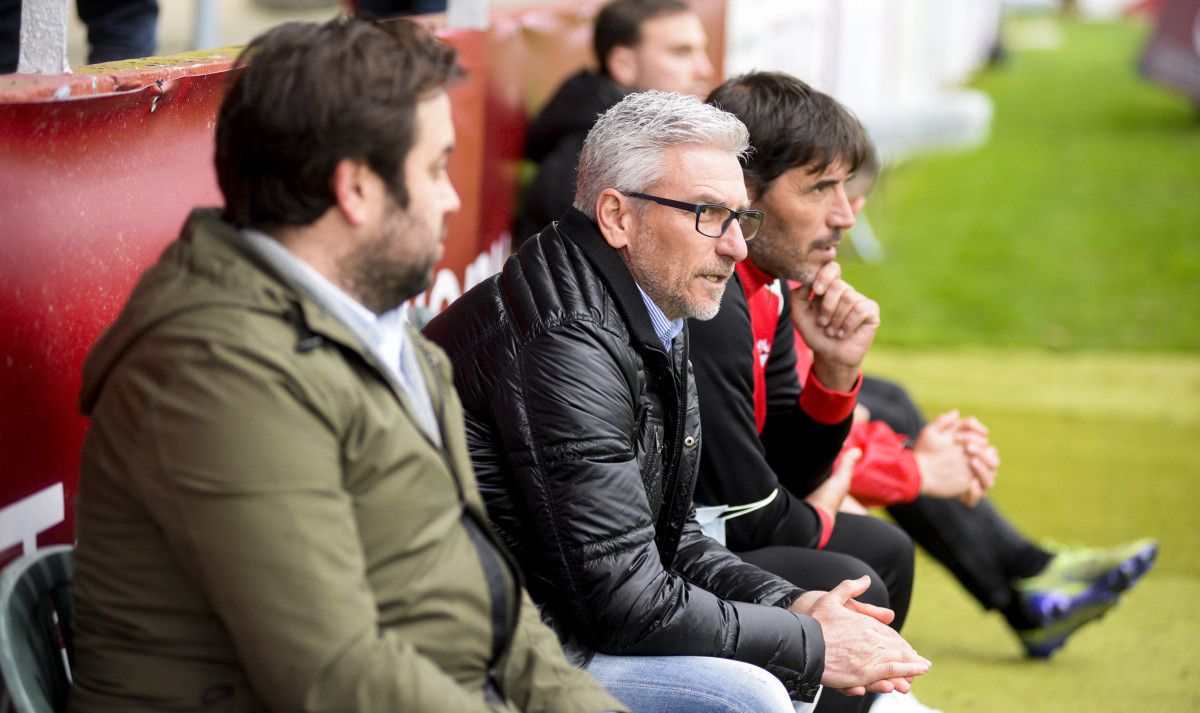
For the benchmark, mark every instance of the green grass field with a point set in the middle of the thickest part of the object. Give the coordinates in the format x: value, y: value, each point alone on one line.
x: 1077, y: 225
x: 1097, y: 449
x: 1049, y: 283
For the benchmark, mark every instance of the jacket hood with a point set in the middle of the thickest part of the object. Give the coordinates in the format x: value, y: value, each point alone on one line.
x: 209, y: 265
x: 572, y: 110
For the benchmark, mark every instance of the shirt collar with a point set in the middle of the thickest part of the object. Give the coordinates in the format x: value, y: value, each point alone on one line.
x: 666, y: 329
x: 383, y: 334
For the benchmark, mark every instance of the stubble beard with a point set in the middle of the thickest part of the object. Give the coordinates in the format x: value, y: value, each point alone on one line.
x: 381, y: 279
x: 779, y: 261
x: 672, y: 299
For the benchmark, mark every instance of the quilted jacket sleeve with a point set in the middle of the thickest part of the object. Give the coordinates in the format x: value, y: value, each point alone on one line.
x: 707, y: 563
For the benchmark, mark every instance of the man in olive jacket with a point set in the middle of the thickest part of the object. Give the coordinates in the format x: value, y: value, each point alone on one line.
x: 583, y: 424
x: 277, y: 510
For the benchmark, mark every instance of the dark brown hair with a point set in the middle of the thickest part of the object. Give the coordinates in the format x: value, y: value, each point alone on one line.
x: 791, y: 124
x: 619, y: 24
x: 306, y: 96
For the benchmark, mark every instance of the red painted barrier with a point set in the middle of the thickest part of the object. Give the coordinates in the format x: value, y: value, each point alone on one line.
x: 92, y: 188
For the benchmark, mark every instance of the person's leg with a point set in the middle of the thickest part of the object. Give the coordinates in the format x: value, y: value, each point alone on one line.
x: 818, y: 569
x: 1045, y: 596
x: 890, y: 403
x: 391, y: 8
x: 883, y: 547
x: 690, y: 684
x: 859, y: 545
x: 834, y: 702
x: 978, y: 545
x: 119, y: 29
x: 10, y: 35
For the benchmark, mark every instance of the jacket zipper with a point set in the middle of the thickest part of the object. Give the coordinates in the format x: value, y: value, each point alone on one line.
x: 493, y: 558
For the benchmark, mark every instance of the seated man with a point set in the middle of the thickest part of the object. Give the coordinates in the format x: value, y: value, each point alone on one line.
x: 761, y: 336
x: 639, y: 45
x: 773, y: 437
x: 660, y: 44
x: 770, y: 433
x: 584, y: 430
x: 277, y: 509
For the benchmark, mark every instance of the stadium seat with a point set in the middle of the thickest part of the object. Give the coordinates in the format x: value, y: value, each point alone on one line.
x: 35, y: 633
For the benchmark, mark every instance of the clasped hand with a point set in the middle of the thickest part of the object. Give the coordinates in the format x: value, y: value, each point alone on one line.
x: 861, y: 652
x: 955, y: 458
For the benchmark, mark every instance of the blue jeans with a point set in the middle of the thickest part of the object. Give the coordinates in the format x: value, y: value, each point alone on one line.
x: 691, y: 684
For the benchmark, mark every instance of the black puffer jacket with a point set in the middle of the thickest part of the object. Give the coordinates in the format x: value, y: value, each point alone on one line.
x: 585, y: 437
x: 554, y: 139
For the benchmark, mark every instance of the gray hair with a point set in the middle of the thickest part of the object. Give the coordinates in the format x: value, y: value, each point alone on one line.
x: 624, y: 150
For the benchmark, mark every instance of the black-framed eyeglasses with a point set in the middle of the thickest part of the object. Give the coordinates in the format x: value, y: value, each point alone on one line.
x: 712, y: 219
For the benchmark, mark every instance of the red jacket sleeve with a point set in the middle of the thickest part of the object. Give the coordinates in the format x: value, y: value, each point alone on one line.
x: 826, y: 405
x: 887, y: 473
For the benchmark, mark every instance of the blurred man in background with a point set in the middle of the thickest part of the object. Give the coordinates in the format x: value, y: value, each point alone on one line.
x: 639, y: 45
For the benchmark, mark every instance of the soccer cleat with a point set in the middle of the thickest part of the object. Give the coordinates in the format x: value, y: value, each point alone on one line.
x: 1078, y: 586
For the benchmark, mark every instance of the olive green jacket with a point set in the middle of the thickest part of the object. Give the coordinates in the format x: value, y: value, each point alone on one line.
x: 262, y: 526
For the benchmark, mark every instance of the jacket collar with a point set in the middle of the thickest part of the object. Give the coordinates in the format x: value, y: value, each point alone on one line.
x: 268, y: 288
x: 316, y: 321
x: 385, y: 337
x: 581, y: 230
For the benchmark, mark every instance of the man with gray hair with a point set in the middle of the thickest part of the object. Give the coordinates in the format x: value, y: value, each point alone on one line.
x: 583, y: 427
